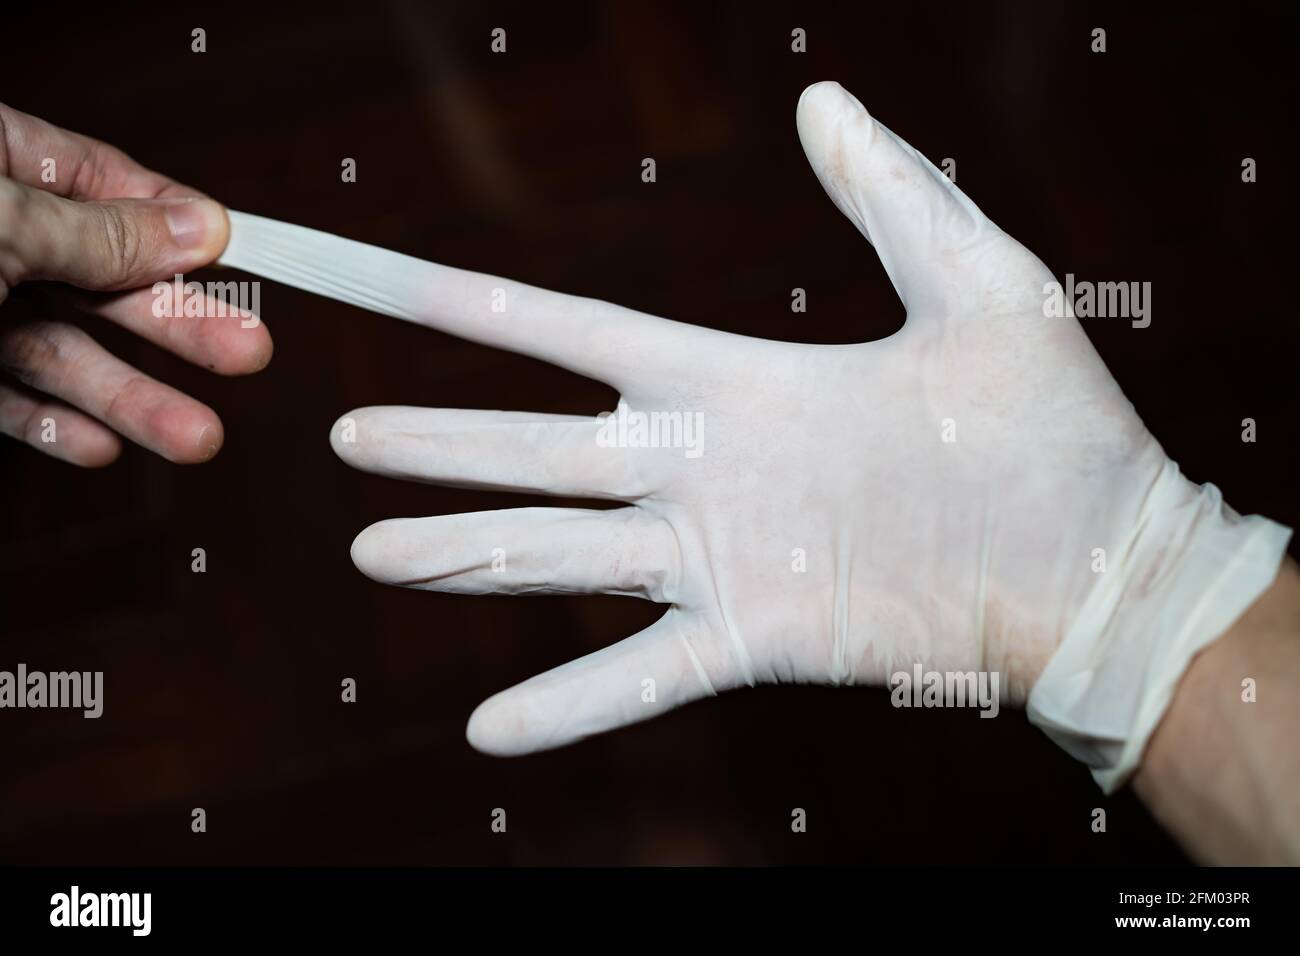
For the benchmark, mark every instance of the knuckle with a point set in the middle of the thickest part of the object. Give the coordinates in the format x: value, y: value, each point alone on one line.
x: 123, y: 394
x: 29, y: 352
x: 11, y: 205
x: 14, y: 224
x: 123, y: 240
x: 90, y: 177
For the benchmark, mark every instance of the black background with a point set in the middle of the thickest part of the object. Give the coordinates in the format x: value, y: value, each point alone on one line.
x: 222, y: 689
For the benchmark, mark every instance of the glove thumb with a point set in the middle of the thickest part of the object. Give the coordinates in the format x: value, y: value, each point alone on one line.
x: 917, y: 220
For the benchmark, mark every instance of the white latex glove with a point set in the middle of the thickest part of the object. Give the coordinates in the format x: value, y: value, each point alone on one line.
x: 973, y: 554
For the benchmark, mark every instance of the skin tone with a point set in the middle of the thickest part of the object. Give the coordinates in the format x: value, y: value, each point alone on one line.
x: 111, y: 228
x: 1223, y: 775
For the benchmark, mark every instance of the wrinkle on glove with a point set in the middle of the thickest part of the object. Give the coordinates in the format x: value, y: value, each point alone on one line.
x: 819, y: 514
x: 1190, y: 570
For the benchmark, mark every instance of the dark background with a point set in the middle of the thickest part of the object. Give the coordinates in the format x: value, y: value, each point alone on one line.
x: 222, y: 689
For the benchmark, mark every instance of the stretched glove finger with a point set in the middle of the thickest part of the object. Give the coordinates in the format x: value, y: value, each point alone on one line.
x: 630, y: 350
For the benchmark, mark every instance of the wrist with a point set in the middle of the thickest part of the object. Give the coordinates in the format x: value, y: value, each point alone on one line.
x: 1190, y: 567
x: 1211, y: 773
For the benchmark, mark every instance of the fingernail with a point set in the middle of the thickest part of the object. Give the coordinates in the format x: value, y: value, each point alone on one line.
x: 207, y: 446
x: 195, y: 222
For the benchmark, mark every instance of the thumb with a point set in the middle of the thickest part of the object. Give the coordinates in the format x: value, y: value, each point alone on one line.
x: 919, y: 222
x: 115, y: 244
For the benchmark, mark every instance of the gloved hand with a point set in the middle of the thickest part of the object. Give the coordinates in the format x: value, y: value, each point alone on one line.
x: 826, y: 514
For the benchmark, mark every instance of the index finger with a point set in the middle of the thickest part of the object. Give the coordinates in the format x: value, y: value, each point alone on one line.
x: 84, y: 168
x: 621, y: 347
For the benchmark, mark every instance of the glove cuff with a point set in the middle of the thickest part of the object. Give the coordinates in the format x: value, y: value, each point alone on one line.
x: 1189, y: 570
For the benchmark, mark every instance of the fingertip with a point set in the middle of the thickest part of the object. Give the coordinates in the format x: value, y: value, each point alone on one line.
x: 358, y: 551
x: 99, y: 449
x: 821, y: 88
x: 245, y: 351
x: 211, y: 437
x: 820, y: 117
x: 189, y: 434
x: 266, y: 348
x: 370, y: 553
x: 87, y: 444
x: 827, y: 97
x: 474, y: 734
x: 485, y: 733
x: 343, y: 434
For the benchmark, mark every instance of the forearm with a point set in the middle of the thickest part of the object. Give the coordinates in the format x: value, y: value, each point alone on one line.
x: 1222, y: 772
